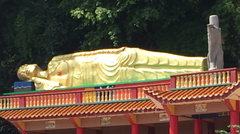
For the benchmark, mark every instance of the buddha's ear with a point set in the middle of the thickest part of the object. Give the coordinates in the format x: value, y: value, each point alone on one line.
x: 21, y: 72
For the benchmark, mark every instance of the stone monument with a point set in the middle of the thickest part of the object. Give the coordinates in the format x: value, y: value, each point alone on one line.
x: 215, y: 41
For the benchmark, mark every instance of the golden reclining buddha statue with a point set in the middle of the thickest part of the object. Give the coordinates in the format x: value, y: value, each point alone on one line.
x: 107, y: 66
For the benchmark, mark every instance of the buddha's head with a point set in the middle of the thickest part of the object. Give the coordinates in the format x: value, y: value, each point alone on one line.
x: 27, y: 71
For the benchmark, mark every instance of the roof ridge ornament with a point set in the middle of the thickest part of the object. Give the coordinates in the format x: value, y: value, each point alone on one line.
x: 215, y: 41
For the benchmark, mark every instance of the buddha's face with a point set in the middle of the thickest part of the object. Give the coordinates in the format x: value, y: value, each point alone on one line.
x: 27, y: 71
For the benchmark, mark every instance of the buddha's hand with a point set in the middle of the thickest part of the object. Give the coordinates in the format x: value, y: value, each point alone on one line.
x: 46, y: 84
x: 54, y: 84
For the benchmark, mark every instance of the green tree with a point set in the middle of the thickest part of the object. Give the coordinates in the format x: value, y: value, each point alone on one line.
x: 32, y: 32
x: 8, y: 55
x: 142, y: 23
x: 7, y: 127
x: 226, y: 132
x: 229, y: 14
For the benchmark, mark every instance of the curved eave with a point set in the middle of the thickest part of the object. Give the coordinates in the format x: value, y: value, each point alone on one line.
x: 81, y: 110
x: 196, y: 95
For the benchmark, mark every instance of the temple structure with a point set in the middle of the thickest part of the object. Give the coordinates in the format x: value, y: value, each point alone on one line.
x: 186, y: 103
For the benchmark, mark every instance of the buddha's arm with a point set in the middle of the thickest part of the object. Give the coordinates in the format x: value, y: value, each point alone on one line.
x: 143, y: 59
x: 45, y: 84
x: 59, y: 72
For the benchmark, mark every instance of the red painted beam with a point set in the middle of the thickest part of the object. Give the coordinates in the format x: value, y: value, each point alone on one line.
x: 197, y: 126
x: 173, y: 124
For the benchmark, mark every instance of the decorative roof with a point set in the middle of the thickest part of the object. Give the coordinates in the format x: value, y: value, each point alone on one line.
x: 81, y: 110
x: 194, y: 94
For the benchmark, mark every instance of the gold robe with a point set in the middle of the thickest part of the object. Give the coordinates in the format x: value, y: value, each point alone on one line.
x: 119, y: 65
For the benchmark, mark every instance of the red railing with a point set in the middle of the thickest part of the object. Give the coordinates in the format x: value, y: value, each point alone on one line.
x: 52, y: 98
x: 74, y: 97
x: 220, y: 76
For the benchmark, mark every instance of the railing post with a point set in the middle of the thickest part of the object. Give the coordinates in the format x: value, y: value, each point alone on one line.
x: 134, y: 93
x: 22, y: 102
x: 78, y: 97
x: 173, y: 82
x: 233, y: 75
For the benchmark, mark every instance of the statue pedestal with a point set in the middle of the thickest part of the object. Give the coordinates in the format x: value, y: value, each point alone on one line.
x: 22, y: 86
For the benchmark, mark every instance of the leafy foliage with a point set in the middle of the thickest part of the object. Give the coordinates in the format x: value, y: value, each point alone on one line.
x: 229, y: 126
x: 131, y: 22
